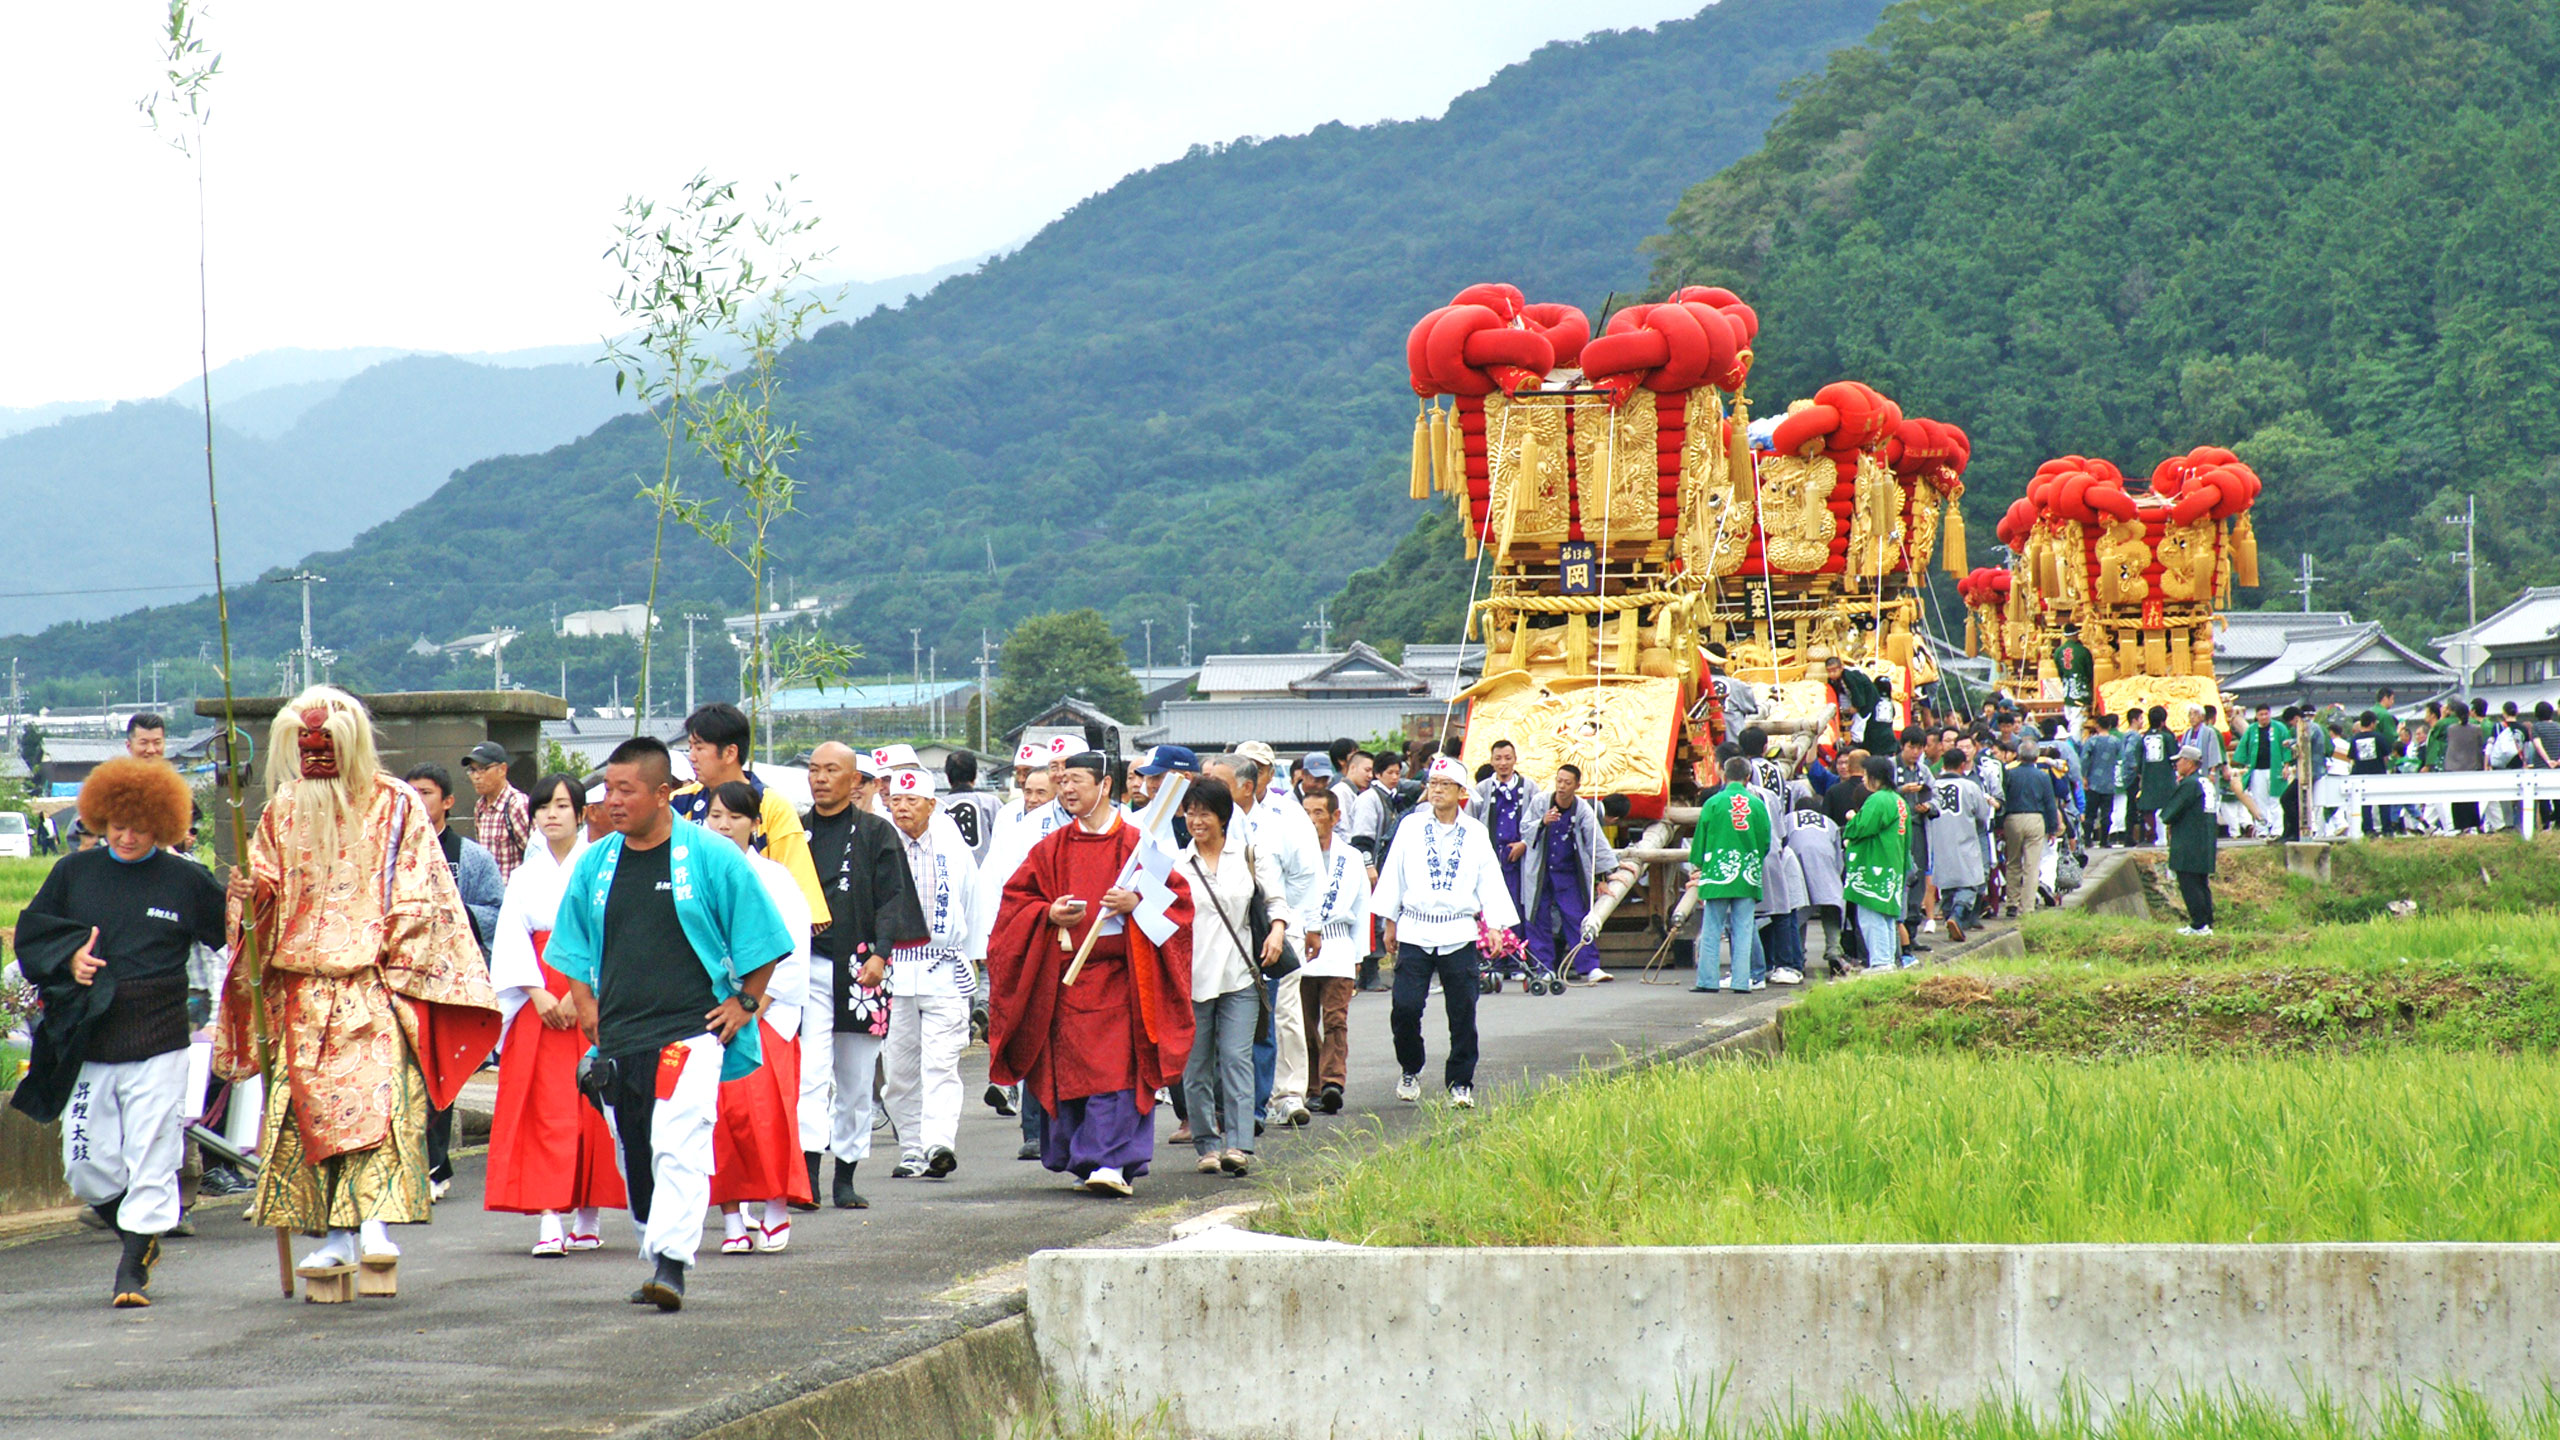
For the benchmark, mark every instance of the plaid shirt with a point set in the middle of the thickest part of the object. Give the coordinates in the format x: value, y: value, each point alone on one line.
x: 504, y: 825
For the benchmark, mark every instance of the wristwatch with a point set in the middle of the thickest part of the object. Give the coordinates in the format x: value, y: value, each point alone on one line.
x: 749, y: 1003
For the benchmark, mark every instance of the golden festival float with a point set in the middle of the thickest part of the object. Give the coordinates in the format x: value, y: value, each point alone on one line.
x: 2137, y: 572
x: 1637, y: 541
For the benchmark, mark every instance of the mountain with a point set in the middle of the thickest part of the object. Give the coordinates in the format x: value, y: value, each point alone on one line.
x: 2296, y: 228
x: 2129, y: 227
x: 1188, y: 389
x: 121, y: 493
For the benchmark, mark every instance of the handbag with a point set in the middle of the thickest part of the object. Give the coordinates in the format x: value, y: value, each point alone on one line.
x: 1257, y: 920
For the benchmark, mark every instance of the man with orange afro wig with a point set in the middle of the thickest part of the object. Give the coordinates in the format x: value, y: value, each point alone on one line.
x: 106, y: 940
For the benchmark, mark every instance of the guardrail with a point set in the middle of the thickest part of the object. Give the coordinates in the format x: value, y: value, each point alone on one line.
x: 2520, y: 788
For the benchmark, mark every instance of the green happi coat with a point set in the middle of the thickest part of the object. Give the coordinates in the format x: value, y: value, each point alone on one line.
x: 1879, y: 843
x: 1731, y: 843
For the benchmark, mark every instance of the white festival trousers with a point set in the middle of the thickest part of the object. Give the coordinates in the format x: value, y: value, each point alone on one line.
x: 680, y: 1130
x: 921, y: 1070
x: 857, y: 1061
x: 1289, y: 1031
x: 817, y: 1044
x: 122, y: 1135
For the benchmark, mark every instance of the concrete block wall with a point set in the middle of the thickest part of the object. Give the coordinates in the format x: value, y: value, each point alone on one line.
x: 1342, y: 1343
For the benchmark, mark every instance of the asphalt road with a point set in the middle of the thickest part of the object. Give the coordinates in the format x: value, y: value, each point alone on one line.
x: 486, y: 1341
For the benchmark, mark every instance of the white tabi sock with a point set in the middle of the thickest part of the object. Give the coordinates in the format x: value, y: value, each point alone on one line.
x: 590, y: 1218
x: 550, y: 1225
x: 733, y: 1223
x: 338, y: 1249
x: 777, y: 1214
x: 377, y: 1239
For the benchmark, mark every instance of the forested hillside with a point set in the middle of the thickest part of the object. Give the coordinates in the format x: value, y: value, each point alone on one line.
x: 2314, y: 232
x: 1188, y: 388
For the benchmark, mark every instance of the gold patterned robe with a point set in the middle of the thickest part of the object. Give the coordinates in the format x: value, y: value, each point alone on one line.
x: 378, y: 1005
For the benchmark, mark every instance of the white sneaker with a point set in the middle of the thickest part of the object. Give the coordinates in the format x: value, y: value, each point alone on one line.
x: 1293, y: 1111
x: 1463, y: 1096
x: 1786, y: 977
x: 2203, y: 930
x: 1886, y: 968
x: 1756, y: 986
x: 2188, y: 930
x: 1409, y: 1088
x: 436, y: 1190
x: 1929, y: 926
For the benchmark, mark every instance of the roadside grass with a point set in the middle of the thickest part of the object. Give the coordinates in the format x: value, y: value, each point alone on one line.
x: 2462, y: 980
x: 19, y: 880
x: 2258, y: 905
x: 2451, y: 1413
x: 1938, y: 1149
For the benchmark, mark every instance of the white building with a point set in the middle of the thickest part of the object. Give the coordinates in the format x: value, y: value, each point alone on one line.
x: 2518, y: 651
x: 631, y: 620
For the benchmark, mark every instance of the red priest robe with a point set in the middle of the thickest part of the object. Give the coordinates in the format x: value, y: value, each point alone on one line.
x: 1126, y: 1022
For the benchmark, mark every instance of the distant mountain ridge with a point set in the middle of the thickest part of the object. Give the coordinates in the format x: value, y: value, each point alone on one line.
x: 1188, y: 391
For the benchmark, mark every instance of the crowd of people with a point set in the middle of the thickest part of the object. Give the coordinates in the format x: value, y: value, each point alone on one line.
x: 696, y: 994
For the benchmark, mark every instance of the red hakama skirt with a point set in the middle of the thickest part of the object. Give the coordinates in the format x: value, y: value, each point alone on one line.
x: 755, y: 1149
x: 548, y: 1148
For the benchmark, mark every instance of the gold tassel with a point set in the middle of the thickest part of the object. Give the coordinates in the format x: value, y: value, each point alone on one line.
x: 1577, y: 645
x: 1520, y: 636
x: 2244, y: 553
x: 1953, y: 546
x: 1746, y: 485
x: 1453, y: 455
x: 1421, y: 489
x: 1972, y: 635
x: 1628, y: 633
x: 1437, y: 461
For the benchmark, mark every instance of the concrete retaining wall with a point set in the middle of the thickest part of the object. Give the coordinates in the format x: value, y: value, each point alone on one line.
x: 1338, y: 1343
x: 2112, y: 885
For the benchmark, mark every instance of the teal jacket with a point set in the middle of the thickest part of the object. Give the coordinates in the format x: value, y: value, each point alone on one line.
x: 722, y: 906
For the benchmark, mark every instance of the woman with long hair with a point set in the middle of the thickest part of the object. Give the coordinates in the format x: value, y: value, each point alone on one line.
x: 756, y: 1148
x: 550, y: 1154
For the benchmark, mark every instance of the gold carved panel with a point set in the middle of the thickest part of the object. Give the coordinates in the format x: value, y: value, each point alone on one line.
x: 1618, y: 733
x: 1924, y: 526
x: 1620, y: 449
x: 1795, y: 511
x: 1715, y: 504
x: 2188, y: 561
x: 1545, y: 515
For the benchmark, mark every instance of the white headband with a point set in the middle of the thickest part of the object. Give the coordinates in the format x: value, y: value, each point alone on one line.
x: 1444, y: 767
x: 1031, y: 754
x: 911, y: 782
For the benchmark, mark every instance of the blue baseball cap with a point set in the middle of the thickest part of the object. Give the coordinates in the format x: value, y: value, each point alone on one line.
x: 1317, y: 763
x: 1167, y: 759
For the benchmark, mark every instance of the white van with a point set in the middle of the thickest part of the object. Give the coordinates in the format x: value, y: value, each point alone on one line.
x: 17, y: 842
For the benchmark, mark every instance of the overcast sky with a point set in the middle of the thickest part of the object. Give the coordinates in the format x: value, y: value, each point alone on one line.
x: 447, y: 176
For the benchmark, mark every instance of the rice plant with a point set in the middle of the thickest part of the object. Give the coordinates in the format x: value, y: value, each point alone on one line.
x: 1861, y: 1149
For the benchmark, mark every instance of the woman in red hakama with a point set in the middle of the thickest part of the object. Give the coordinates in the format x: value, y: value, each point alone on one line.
x: 549, y: 1152
x: 755, y: 1151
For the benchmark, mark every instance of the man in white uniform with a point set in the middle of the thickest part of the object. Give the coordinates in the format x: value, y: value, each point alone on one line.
x: 930, y: 986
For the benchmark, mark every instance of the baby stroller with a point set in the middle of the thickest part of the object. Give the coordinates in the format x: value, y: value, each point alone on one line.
x: 1500, y: 956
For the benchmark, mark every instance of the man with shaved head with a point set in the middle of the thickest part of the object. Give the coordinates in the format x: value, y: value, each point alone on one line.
x: 861, y: 863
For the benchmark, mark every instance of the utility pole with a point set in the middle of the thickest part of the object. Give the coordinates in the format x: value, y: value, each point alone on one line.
x: 1190, y: 622
x: 2303, y: 585
x: 11, y: 731
x: 690, y: 619
x: 498, y: 643
x: 1323, y: 626
x: 2469, y: 520
x: 155, y: 682
x: 302, y: 658
x: 915, y: 658
x: 986, y: 656
x: 1150, y: 627
x: 564, y: 680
